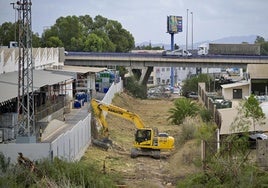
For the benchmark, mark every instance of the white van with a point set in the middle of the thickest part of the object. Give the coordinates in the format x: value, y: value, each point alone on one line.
x: 179, y: 52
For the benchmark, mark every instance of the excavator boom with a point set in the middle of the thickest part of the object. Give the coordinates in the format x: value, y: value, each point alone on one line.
x: 99, y: 106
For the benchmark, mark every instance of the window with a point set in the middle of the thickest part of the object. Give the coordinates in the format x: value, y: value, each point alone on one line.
x: 158, y: 80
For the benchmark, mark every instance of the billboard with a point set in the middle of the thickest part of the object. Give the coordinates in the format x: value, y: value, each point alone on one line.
x: 174, y: 24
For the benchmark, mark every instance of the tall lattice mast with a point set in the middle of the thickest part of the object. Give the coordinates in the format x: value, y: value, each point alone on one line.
x: 26, y: 121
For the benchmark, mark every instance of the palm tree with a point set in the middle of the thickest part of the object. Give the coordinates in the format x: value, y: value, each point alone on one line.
x: 183, y: 108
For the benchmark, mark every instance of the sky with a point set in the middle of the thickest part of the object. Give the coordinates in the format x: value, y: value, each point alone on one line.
x: 146, y: 20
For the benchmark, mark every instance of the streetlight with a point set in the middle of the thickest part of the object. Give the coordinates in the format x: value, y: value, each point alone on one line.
x: 192, y: 30
x: 187, y: 30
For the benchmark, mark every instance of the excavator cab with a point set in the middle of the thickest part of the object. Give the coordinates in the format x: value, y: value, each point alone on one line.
x: 143, y: 135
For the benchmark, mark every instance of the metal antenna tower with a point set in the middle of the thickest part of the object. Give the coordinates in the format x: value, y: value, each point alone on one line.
x: 26, y: 120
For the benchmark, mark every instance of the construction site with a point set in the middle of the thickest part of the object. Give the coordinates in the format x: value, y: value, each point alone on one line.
x: 144, y: 171
x: 52, y: 111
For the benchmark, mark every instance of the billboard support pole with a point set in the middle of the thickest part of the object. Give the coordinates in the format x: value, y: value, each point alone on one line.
x: 172, y: 69
x: 174, y: 25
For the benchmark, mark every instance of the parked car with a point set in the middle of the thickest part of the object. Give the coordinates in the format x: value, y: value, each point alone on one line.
x: 253, y: 138
x: 258, y: 136
x: 192, y: 95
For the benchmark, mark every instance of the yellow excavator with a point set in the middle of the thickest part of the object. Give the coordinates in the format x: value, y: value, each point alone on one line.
x: 148, y: 141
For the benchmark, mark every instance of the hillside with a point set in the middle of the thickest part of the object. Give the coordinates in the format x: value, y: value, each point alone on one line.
x: 144, y: 171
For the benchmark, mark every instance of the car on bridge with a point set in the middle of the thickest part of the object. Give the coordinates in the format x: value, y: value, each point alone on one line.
x: 179, y: 52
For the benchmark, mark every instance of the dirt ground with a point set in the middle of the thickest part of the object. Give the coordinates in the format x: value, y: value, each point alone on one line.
x: 144, y: 171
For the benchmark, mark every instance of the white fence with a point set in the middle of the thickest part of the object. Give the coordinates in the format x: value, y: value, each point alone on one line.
x: 69, y: 146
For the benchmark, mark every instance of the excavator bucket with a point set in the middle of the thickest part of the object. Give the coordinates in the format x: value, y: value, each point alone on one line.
x: 104, y: 143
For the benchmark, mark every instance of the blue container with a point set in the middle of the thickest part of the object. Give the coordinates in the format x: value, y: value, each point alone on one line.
x: 105, y: 90
x: 78, y: 96
x: 86, y: 97
x: 81, y: 96
x: 77, y: 104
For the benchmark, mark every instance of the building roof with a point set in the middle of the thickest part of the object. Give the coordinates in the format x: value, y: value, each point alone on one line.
x: 9, y: 82
x: 79, y: 69
x: 258, y: 71
x: 232, y: 85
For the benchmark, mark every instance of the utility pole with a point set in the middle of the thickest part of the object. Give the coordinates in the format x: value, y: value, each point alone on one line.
x: 25, y: 132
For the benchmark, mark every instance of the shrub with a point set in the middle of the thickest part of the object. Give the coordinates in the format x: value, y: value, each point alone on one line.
x: 188, y: 130
x: 135, y: 89
x: 58, y: 173
x: 206, y: 115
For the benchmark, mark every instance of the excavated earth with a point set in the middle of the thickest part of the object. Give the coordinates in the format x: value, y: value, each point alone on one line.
x: 144, y: 171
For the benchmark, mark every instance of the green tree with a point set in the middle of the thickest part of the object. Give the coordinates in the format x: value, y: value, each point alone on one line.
x: 54, y: 41
x: 253, y: 110
x: 264, y: 45
x: 191, y: 84
x: 36, y: 40
x: 65, y: 29
x: 108, y: 45
x: 148, y: 47
x: 122, y: 39
x: 86, y: 23
x: 7, y: 33
x: 100, y: 23
x: 259, y: 40
x: 264, y: 48
x: 85, y: 34
x: 77, y: 44
x: 122, y: 71
x: 93, y: 43
x: 183, y: 108
x: 135, y: 88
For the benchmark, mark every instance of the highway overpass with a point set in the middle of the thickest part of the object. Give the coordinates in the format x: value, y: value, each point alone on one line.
x: 143, y: 63
x: 157, y: 60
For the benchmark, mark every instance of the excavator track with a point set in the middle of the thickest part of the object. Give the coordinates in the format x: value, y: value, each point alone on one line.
x: 145, y: 152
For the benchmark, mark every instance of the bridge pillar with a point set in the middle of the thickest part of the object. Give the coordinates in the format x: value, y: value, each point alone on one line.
x: 142, y: 73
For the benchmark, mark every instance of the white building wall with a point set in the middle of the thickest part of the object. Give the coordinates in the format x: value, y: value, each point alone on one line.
x: 228, y: 92
x: 162, y: 74
x: 42, y: 58
x: 211, y: 70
